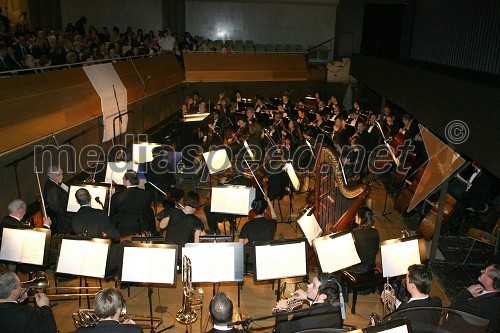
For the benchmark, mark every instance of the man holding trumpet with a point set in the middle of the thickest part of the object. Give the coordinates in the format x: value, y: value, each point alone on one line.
x: 17, y: 317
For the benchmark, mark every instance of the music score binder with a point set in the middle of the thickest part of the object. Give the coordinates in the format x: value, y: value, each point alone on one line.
x: 215, y: 262
x: 25, y: 246
x: 149, y: 263
x: 278, y: 260
x: 83, y: 257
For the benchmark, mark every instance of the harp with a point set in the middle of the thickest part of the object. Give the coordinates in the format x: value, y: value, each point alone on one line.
x: 336, y: 203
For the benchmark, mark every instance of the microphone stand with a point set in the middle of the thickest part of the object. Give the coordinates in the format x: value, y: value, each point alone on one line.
x: 142, y: 100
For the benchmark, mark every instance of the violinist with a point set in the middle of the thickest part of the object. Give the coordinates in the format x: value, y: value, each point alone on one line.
x: 236, y: 142
x: 215, y: 129
x: 251, y: 118
x: 301, y: 105
x: 339, y: 135
x: 288, y: 107
x: 260, y: 107
x: 391, y: 128
x: 294, y: 133
x: 274, y: 131
x: 302, y: 119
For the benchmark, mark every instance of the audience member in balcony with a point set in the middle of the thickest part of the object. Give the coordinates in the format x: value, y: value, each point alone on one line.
x: 104, y: 35
x: 204, y: 47
x: 167, y: 41
x: 139, y: 36
x: 4, y: 25
x: 115, y: 35
x: 80, y: 25
x: 226, y: 48
x: 11, y: 59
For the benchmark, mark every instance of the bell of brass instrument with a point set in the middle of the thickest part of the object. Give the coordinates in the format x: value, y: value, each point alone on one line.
x: 85, y: 318
x: 187, y: 314
x: 390, y: 297
x: 40, y: 282
x: 291, y: 304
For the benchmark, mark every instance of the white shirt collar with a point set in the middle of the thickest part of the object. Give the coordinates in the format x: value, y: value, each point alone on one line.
x: 222, y: 327
x: 417, y: 298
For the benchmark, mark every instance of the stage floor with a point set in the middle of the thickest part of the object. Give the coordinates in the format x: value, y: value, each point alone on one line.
x: 257, y: 298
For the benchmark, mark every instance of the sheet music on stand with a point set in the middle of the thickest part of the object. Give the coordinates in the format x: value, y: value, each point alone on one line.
x: 116, y: 170
x: 149, y: 263
x: 328, y: 254
x: 232, y: 199
x: 143, y: 152
x: 83, y: 257
x: 95, y: 192
x: 25, y: 246
x: 279, y: 260
x: 215, y: 262
x: 217, y: 160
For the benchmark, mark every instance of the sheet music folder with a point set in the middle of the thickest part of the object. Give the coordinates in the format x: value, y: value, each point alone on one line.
x: 215, y: 262
x: 25, y: 246
x: 83, y: 256
x: 282, y: 259
x: 149, y: 263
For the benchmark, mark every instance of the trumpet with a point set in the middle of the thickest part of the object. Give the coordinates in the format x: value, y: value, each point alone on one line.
x: 40, y: 284
x: 390, y: 297
x: 291, y: 304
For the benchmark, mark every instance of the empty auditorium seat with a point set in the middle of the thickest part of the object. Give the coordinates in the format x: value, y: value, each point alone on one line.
x: 269, y: 47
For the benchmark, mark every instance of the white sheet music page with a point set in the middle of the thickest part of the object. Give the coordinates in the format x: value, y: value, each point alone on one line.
x: 211, y: 262
x: 33, y: 247
x: 94, y: 260
x: 24, y: 246
x: 280, y: 261
x: 331, y: 258
x: 81, y: 257
x: 148, y: 265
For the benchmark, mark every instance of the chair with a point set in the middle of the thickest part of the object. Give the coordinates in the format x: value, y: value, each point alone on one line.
x: 260, y: 48
x: 269, y: 47
x: 358, y: 282
x: 280, y: 48
x: 289, y: 48
x: 298, y: 48
x: 484, y: 237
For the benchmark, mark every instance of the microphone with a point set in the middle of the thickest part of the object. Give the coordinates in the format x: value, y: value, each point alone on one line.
x: 98, y: 200
x: 55, y: 140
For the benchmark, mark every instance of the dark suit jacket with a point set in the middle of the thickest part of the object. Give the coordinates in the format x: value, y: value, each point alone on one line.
x: 367, y: 243
x: 130, y: 211
x: 486, y: 306
x: 15, y: 317
x: 9, y: 221
x: 111, y: 326
x: 422, y: 321
x: 57, y: 198
x: 320, y: 316
x: 93, y: 222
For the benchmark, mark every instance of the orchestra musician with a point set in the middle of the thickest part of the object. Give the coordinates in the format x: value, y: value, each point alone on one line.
x: 130, y: 209
x: 221, y: 312
x: 108, y: 306
x: 181, y: 224
x: 55, y: 193
x: 17, y: 210
x: 321, y: 293
x: 391, y: 126
x: 236, y: 142
x: 367, y: 241
x: 19, y: 318
x: 418, y: 284
x: 410, y: 129
x: 215, y: 132
x: 288, y: 106
x: 302, y: 118
x: 259, y: 228
x: 91, y: 222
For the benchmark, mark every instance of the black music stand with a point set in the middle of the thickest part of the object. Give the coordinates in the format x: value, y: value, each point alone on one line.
x: 158, y: 266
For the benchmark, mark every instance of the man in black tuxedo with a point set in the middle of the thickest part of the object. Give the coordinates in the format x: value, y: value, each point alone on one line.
x: 322, y: 292
x: 108, y: 307
x: 483, y: 299
x: 17, y: 209
x: 418, y: 284
x: 90, y: 221
x: 56, y: 197
x: 131, y: 209
x: 16, y: 317
x: 221, y: 312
